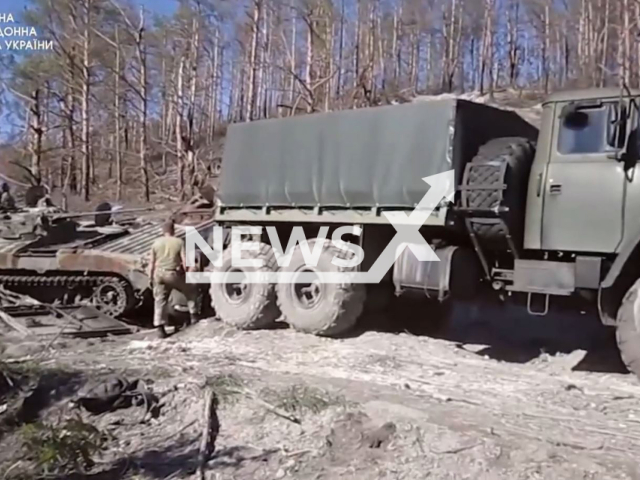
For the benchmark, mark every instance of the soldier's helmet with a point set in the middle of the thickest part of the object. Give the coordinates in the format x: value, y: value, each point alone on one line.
x: 4, y: 187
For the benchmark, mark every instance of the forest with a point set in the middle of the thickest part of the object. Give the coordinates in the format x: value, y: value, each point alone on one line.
x: 134, y: 105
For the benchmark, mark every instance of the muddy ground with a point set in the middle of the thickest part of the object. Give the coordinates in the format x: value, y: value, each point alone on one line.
x: 500, y: 395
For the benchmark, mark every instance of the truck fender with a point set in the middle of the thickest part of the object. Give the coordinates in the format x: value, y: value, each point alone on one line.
x: 629, y: 248
x: 624, y: 271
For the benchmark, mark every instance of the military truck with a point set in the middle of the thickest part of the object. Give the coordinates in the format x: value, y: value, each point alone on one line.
x: 549, y: 217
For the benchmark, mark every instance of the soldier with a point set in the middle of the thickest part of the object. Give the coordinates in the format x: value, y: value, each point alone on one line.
x: 167, y: 272
x: 6, y: 199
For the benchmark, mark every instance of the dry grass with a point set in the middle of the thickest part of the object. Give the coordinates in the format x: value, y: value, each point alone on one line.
x: 301, y: 399
x: 227, y: 387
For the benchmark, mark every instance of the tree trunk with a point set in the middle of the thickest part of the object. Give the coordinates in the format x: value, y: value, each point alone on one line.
x: 356, y: 54
x: 626, y: 32
x: 292, y: 86
x: 605, y: 48
x: 340, y: 52
x: 165, y: 105
x: 179, y: 107
x: 512, y: 31
x: 189, y: 144
x: 142, y: 57
x: 486, y: 39
x: 37, y: 130
x: 544, y: 61
x: 216, y: 82
x: 253, y: 61
x: 86, y: 79
x: 118, y: 142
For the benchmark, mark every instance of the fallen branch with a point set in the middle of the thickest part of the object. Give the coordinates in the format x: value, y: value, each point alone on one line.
x: 168, y: 197
x: 277, y: 411
x: 209, y: 432
x: 266, y: 405
x: 11, y: 322
x: 459, y: 449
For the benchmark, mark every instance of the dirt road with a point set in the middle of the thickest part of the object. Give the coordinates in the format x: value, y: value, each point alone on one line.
x: 374, y: 406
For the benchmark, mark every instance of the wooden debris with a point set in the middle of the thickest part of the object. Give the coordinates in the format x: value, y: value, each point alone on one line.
x: 454, y: 450
x: 28, y: 316
x: 276, y: 411
x: 14, y: 324
x: 210, y: 431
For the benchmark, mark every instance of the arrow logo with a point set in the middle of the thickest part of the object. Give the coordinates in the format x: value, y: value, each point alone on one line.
x: 407, y: 227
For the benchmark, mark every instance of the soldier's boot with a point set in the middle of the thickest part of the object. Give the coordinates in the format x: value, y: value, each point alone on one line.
x: 162, y: 333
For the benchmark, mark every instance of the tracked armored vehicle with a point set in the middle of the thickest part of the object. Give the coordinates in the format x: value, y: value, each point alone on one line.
x: 67, y: 258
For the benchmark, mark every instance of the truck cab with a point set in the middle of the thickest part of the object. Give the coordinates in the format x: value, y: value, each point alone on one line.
x: 583, y: 195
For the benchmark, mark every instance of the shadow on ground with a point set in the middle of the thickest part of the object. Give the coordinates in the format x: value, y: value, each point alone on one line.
x: 35, y: 391
x: 178, y: 460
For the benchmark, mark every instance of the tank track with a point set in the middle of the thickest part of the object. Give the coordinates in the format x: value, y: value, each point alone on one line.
x: 73, y: 282
x: 53, y: 280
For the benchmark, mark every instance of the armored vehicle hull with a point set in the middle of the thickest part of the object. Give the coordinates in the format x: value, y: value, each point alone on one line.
x: 73, y: 262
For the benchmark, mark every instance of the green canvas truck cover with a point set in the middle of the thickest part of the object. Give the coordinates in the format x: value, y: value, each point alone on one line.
x: 365, y: 158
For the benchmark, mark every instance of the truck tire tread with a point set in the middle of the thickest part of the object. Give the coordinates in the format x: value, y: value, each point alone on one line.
x: 341, y: 311
x: 261, y: 310
x: 628, y: 330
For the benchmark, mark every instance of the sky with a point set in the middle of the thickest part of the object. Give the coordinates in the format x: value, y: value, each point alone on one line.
x: 16, y: 7
x: 160, y: 6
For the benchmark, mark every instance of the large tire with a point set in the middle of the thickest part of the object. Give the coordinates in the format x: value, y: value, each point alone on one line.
x: 518, y: 153
x: 628, y: 329
x: 256, y: 306
x: 335, y: 307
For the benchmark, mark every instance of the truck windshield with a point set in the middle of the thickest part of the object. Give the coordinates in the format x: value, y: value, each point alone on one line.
x: 588, y: 137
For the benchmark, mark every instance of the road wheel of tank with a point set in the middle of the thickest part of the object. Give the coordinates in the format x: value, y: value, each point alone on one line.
x: 323, y: 309
x: 246, y: 305
x: 113, y: 296
x: 518, y: 153
x: 628, y: 329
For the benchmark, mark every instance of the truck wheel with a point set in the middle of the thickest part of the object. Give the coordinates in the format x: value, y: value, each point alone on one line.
x: 518, y: 153
x: 245, y: 305
x: 324, y: 309
x: 628, y: 329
